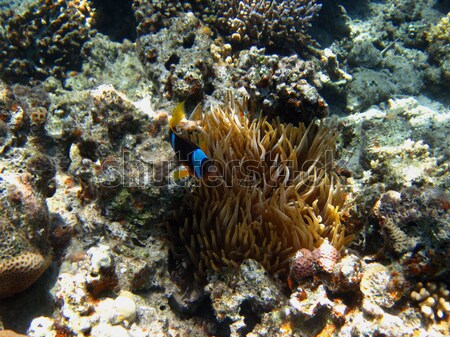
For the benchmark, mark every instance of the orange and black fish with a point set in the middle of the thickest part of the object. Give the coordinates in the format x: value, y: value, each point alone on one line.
x: 188, y: 153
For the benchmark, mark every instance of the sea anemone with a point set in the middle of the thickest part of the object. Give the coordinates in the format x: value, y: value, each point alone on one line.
x: 274, y: 193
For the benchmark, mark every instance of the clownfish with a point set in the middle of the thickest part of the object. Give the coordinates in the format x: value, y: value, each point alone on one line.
x: 188, y: 153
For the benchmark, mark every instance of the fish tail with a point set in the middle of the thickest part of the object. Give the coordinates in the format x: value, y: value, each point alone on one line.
x: 177, y: 115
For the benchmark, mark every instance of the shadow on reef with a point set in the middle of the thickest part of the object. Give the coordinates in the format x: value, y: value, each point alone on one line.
x: 115, y: 19
x: 18, y: 311
x: 332, y: 21
x: 442, y: 5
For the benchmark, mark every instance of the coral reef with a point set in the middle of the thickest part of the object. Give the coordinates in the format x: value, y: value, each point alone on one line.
x: 102, y: 59
x: 278, y: 195
x: 79, y: 312
x: 433, y: 300
x: 314, y: 306
x: 242, y: 23
x: 438, y: 38
x: 118, y: 158
x: 85, y: 169
x: 266, y: 23
x: 155, y: 15
x: 275, y: 84
x: 186, y: 63
x: 398, y: 215
x: 25, y: 252
x: 27, y: 179
x: 345, y: 276
x: 369, y: 87
x: 178, y: 60
x: 394, y: 147
x: 391, y: 42
x: 354, y: 291
x: 305, y: 263
x: 114, y: 311
x: 248, y: 294
x: 382, y: 287
x: 45, y: 39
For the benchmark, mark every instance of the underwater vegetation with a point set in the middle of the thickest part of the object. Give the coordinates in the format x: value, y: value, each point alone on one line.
x: 275, y: 192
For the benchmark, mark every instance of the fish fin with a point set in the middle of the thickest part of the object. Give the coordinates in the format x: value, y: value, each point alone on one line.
x: 180, y: 173
x: 177, y: 115
x: 196, y: 115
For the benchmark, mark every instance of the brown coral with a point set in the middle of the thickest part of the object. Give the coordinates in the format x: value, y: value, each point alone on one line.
x: 266, y: 23
x: 21, y: 263
x: 24, y: 248
x: 45, y: 39
x: 289, y: 84
x: 275, y: 195
x: 18, y: 273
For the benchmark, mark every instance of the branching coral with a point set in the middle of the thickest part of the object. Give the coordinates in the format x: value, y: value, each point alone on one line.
x: 45, y: 39
x: 266, y: 23
x: 438, y: 38
x: 253, y: 22
x: 154, y: 15
x: 287, y: 84
x: 433, y: 300
x: 275, y: 194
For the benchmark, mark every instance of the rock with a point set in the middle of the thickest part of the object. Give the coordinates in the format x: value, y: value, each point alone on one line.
x: 42, y: 327
x: 364, y: 54
x: 125, y: 305
x: 382, y: 288
x: 102, y: 276
x: 249, y: 292
x: 108, y: 330
x: 312, y: 302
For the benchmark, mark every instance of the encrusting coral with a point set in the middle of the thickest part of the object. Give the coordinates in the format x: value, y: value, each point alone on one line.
x: 274, y: 193
x: 25, y: 251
